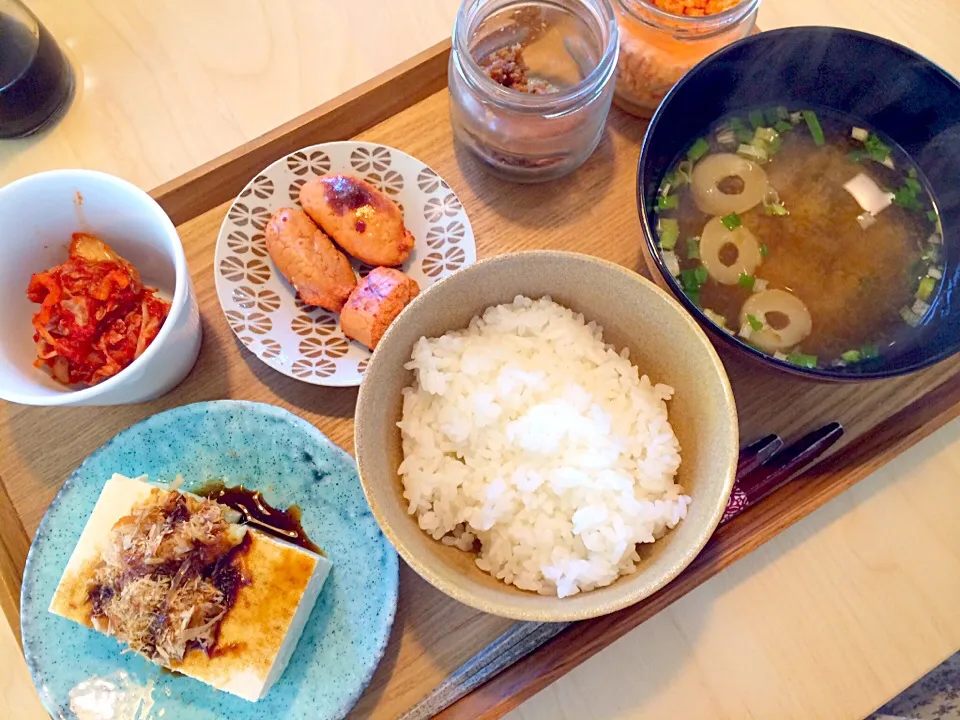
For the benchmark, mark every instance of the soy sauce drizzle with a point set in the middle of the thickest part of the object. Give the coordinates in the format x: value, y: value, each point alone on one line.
x: 255, y: 511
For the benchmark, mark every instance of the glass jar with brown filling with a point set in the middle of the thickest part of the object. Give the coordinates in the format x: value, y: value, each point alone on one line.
x: 531, y: 83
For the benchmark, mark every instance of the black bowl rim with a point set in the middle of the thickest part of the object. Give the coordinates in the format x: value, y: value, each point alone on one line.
x: 654, y: 251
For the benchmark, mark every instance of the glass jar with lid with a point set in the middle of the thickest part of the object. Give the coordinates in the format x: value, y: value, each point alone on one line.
x: 531, y: 83
x: 657, y: 47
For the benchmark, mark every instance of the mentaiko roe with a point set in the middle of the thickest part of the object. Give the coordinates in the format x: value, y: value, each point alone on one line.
x: 96, y: 316
x: 660, y: 40
x: 695, y: 8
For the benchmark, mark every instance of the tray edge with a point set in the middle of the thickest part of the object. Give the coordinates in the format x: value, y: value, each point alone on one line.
x: 342, y: 118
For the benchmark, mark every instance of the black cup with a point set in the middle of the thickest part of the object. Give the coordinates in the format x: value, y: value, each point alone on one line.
x: 36, y: 80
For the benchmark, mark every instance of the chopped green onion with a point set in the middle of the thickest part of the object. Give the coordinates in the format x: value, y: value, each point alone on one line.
x: 754, y: 323
x: 772, y: 205
x: 870, y: 351
x: 700, y: 148
x: 669, y: 230
x: 766, y: 134
x: 671, y: 261
x: 913, y: 184
x: 731, y: 222
x: 796, y: 118
x: 876, y: 148
x: 851, y: 356
x: 769, y: 139
x: 753, y: 152
x: 746, y: 281
x: 912, y: 173
x: 693, y: 248
x: 801, y: 360
x: 776, y: 209
x: 726, y: 136
x: 688, y: 279
x: 910, y: 317
x: 669, y: 182
x: 906, y: 197
x: 856, y: 156
x: 736, y: 123
x: 932, y: 216
x: 771, y: 116
x: 717, y: 318
x: 756, y: 118
x: 926, y: 288
x: 740, y: 130
x: 782, y: 126
x: 930, y: 253
x: 701, y: 274
x: 764, y: 250
x: 684, y: 173
x: 691, y: 280
x: 667, y: 202
x: 813, y: 123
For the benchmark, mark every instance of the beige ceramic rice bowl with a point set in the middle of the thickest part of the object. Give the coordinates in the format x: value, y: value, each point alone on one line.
x: 663, y: 342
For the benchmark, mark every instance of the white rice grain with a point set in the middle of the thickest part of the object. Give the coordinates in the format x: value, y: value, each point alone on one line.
x: 526, y: 433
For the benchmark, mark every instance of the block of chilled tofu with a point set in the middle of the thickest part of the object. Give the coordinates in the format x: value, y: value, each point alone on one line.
x: 278, y: 585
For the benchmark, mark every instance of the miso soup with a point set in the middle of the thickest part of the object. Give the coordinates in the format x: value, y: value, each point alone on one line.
x: 804, y: 233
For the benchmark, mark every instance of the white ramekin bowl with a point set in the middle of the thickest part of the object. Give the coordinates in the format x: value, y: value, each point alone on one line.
x: 38, y: 214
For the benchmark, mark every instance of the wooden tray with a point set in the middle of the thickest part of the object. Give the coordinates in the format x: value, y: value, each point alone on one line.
x: 593, y: 211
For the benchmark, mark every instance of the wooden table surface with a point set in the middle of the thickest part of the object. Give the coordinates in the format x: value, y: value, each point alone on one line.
x: 828, y: 620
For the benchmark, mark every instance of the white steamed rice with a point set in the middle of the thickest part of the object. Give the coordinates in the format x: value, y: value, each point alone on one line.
x: 527, y: 433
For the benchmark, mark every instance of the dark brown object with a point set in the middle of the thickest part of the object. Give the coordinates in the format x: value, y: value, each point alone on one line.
x: 508, y: 68
x: 255, y: 511
x: 309, y: 260
x: 168, y: 576
x: 374, y: 304
x: 36, y: 81
x: 362, y: 220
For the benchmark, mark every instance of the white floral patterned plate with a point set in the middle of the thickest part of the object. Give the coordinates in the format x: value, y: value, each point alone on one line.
x: 265, y: 311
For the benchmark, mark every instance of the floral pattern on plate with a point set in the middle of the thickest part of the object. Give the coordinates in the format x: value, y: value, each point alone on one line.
x: 264, y: 310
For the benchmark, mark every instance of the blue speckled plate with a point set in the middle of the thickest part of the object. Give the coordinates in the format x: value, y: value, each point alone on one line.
x: 292, y: 463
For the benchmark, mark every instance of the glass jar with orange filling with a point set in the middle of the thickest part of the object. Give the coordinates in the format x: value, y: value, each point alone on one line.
x: 661, y: 39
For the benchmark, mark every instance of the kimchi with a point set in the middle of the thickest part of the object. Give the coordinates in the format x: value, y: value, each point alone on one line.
x: 96, y: 316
